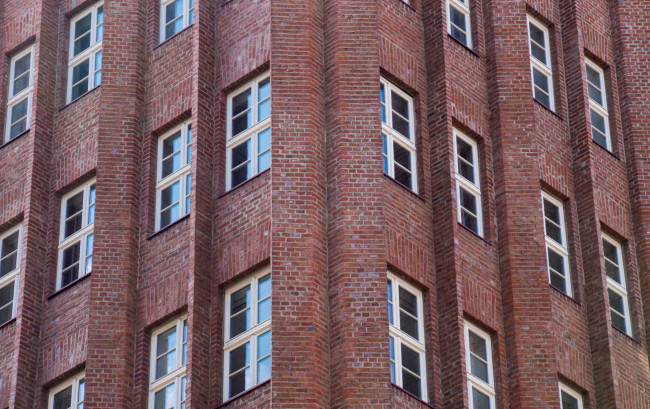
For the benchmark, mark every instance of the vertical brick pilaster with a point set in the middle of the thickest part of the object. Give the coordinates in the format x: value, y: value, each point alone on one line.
x: 111, y: 333
x: 530, y: 350
x: 359, y: 370
x: 204, y: 94
x: 298, y: 207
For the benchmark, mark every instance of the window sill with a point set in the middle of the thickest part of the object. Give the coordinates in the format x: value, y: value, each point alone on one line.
x: 412, y: 396
x: 247, y: 181
x: 25, y: 132
x: 548, y: 109
x: 408, y: 189
x: 169, y: 226
x: 626, y: 335
x: 6, y: 324
x: 246, y: 392
x: 474, y: 233
x: 474, y: 53
x: 79, y: 97
x: 72, y: 284
x: 172, y: 37
x: 606, y: 150
x: 567, y: 296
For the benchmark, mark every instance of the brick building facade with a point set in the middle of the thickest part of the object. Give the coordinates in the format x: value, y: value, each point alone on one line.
x: 202, y: 203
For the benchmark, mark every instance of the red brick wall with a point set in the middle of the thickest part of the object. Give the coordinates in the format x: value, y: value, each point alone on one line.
x: 324, y: 217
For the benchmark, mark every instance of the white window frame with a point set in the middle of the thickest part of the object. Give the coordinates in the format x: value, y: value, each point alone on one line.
x: 545, y: 69
x: 596, y: 106
x: 250, y: 335
x: 464, y: 9
x: 256, y: 128
x: 474, y: 382
x: 14, y: 275
x: 400, y: 337
x: 560, y: 249
x: 470, y: 187
x: 81, y: 236
x: 394, y: 136
x: 72, y: 382
x: 88, y: 54
x: 571, y: 392
x: 188, y: 8
x: 14, y: 100
x: 616, y: 287
x: 179, y: 175
x: 176, y: 376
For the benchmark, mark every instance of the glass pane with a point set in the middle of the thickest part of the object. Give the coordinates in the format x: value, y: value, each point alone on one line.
x: 183, y: 392
x: 390, y: 300
x: 8, y: 264
x: 468, y: 201
x: 69, y: 275
x: 477, y: 346
x: 459, y: 35
x: 384, y: 151
x: 7, y: 294
x: 264, y: 369
x: 610, y: 251
x: 89, y: 253
x: 21, y: 74
x: 71, y: 255
x: 241, y: 103
x: 551, y: 211
x: 595, y: 94
x: 239, y: 357
x: 264, y: 92
x: 469, y: 220
x: 541, y: 80
x: 408, y: 302
x: 173, y: 18
x: 264, y: 345
x: 238, y: 382
x: 80, y: 72
x: 458, y: 25
x: 536, y: 34
x: 241, y: 153
x: 74, y: 205
x: 543, y: 98
x: 479, y: 369
x: 568, y: 401
x: 598, y: 121
x: 553, y: 231
x: 19, y: 110
x: 593, y: 77
x: 400, y: 105
x: 264, y: 140
x: 6, y: 312
x: 79, y: 89
x: 618, y: 322
x: 189, y: 144
x: 401, y: 126
x: 392, y: 358
x: 616, y: 302
x: 191, y: 21
x: 408, y: 324
x: 170, y: 195
x: 240, y: 301
x: 241, y: 174
x: 63, y: 399
x: 479, y: 400
x: 100, y: 24
x: 402, y: 156
x: 171, y: 146
x: 82, y: 393
x: 403, y: 177
x: 82, y: 34
x: 9, y: 245
x: 538, y: 52
x: 98, y: 69
x: 165, y: 398
x: 184, y: 342
x: 410, y: 360
x: 411, y: 383
x: 465, y: 168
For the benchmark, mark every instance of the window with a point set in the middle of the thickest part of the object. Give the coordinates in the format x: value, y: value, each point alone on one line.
x: 557, y: 254
x: 398, y: 134
x: 406, y: 337
x: 10, y: 242
x: 248, y: 146
x: 247, y: 346
x: 480, y: 375
x: 616, y: 284
x: 175, y: 15
x: 458, y: 21
x: 598, y: 105
x: 69, y: 395
x: 85, y: 66
x: 167, y: 369
x: 569, y: 398
x: 540, y: 63
x: 468, y: 185
x: 19, y: 101
x: 76, y: 234
x: 174, y: 179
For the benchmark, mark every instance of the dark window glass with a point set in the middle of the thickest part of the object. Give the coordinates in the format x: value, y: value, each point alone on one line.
x: 411, y: 364
x: 458, y: 26
x: 82, y: 34
x: 63, y: 399
x: 239, y: 358
x: 6, y: 302
x: 240, y: 319
x: 568, y: 401
x: 480, y: 400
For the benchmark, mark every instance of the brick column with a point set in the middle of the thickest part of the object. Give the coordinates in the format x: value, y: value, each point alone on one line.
x: 298, y: 207
x: 359, y: 346
x: 110, y: 363
x: 529, y: 341
x: 24, y: 393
